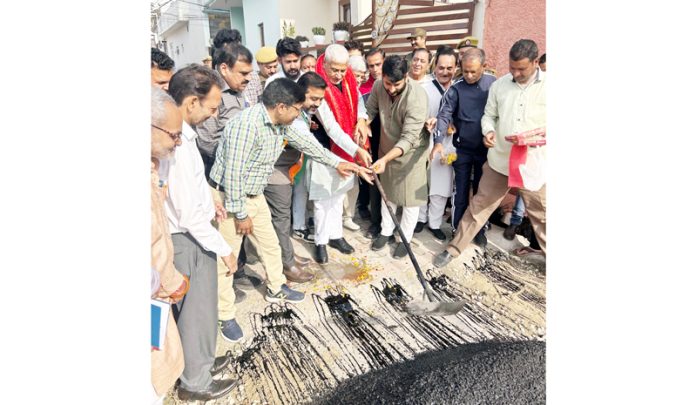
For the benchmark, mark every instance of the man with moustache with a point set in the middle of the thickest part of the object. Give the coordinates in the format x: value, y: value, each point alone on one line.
x: 403, y: 108
x: 463, y: 106
x: 267, y: 59
x: 420, y: 60
x: 417, y: 38
x: 289, y: 52
x: 189, y: 208
x: 516, y: 103
x: 227, y: 36
x: 440, y: 172
x: 234, y: 63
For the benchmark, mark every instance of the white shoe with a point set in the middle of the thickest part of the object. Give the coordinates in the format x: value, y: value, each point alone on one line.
x: 349, y: 224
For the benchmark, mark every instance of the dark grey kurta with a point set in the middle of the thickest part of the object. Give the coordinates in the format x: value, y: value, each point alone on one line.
x: 405, y: 178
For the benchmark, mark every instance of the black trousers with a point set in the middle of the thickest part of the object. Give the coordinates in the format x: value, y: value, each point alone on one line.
x: 466, y: 163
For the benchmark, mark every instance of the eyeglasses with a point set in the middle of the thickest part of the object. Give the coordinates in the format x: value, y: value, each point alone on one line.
x: 292, y: 106
x: 176, y: 137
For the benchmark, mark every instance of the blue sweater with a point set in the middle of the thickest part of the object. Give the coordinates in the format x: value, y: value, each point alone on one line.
x: 463, y: 104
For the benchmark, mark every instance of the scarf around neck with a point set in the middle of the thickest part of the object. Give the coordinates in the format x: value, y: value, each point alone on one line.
x: 343, y: 104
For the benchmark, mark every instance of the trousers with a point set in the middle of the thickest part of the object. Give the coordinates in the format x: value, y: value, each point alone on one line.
x: 327, y: 219
x: 492, y: 190
x: 465, y: 164
x: 263, y: 238
x: 279, y: 199
x: 299, y: 204
x: 409, y: 217
x: 351, y: 198
x: 433, y: 211
x: 196, y: 313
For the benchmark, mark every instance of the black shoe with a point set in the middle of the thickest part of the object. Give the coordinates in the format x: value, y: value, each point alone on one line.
x: 216, y: 389
x: 480, y: 239
x: 400, y: 251
x: 419, y: 227
x: 221, y: 363
x: 364, y: 213
x: 437, y: 233
x: 373, y: 231
x: 380, y: 242
x: 246, y: 281
x: 510, y: 232
x: 321, y: 256
x: 442, y: 259
x: 239, y: 295
x: 342, y: 245
x: 303, y: 234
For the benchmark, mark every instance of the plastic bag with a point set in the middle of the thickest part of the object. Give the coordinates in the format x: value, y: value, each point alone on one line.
x: 533, y: 171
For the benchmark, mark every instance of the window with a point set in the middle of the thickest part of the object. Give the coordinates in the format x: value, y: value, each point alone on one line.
x: 218, y: 22
x: 344, y: 10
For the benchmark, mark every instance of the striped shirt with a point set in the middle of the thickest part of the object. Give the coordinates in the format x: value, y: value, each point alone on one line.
x: 254, y: 89
x: 248, y: 149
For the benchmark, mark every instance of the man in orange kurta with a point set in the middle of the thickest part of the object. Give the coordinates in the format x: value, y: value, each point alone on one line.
x: 167, y: 363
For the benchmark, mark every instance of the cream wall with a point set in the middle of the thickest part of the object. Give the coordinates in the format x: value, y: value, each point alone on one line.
x: 308, y: 14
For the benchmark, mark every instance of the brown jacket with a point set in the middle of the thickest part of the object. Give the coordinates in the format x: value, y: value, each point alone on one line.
x: 167, y: 364
x: 405, y: 178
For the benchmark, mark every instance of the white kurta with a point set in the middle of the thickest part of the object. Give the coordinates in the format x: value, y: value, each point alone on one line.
x: 441, y: 175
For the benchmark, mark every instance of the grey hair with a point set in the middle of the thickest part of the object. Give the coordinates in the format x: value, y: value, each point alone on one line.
x: 336, y: 53
x: 473, y: 54
x: 357, y: 63
x: 158, y: 101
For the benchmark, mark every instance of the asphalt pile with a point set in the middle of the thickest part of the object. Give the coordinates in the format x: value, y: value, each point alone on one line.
x: 508, y: 373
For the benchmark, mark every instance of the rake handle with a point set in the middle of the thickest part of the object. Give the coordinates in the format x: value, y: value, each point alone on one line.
x: 428, y: 290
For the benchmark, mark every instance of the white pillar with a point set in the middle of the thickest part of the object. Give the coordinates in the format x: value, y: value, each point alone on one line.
x: 479, y: 17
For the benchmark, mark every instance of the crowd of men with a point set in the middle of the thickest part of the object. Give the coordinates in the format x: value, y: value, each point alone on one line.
x: 244, y: 160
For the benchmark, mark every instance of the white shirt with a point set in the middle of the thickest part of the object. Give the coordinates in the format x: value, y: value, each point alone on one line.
x: 189, y: 205
x: 333, y: 129
x: 278, y: 75
x: 323, y: 181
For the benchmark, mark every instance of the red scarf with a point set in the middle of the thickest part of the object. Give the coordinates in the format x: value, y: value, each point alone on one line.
x: 343, y: 104
x: 366, y: 87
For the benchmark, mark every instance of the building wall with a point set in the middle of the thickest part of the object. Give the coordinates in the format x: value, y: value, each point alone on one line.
x: 188, y: 42
x: 261, y: 11
x: 237, y: 22
x: 507, y: 21
x: 308, y: 14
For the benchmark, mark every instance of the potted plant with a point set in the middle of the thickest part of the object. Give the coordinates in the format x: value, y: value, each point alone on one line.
x: 304, y: 41
x: 318, y: 33
x: 341, y: 31
x: 288, y: 28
